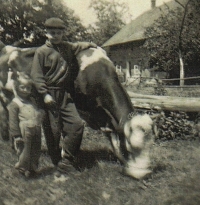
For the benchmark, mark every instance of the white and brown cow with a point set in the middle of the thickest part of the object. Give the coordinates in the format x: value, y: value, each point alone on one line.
x: 98, y: 92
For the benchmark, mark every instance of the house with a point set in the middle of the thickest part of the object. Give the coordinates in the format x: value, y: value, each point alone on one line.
x: 124, y: 48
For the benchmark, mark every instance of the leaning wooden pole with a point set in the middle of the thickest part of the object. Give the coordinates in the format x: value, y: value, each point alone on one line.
x: 186, y: 104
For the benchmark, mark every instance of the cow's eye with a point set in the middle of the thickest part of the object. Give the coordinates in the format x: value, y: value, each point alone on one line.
x: 130, y: 129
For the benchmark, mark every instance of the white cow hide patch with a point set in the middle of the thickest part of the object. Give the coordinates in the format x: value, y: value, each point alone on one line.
x: 86, y: 58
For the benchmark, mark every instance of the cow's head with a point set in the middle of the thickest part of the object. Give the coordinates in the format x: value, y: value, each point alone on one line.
x: 139, y: 140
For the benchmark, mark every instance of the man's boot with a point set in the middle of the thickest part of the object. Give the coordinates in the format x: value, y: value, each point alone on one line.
x: 70, y: 147
x: 66, y: 165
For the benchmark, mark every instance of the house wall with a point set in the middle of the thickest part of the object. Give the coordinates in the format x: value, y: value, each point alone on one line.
x: 133, y: 61
x: 130, y: 57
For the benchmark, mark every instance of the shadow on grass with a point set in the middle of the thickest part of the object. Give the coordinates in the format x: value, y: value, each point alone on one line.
x: 46, y: 171
x: 159, y: 167
x: 89, y: 158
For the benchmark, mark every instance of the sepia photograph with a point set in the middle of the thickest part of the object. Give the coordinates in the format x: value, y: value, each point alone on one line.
x: 99, y: 102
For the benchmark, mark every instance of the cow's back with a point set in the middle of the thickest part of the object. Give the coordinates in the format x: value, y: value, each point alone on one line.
x: 16, y: 59
x: 95, y: 71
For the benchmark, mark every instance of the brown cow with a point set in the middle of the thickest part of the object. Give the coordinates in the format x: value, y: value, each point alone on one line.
x: 98, y: 92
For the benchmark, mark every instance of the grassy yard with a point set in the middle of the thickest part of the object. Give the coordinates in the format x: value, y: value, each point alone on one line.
x: 175, y: 180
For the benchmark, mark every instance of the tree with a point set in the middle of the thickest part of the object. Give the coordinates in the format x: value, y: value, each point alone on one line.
x: 110, y: 19
x: 173, y: 39
x: 24, y: 20
x: 180, y: 41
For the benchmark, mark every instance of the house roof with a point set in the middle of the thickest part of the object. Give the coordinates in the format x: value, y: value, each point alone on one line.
x: 135, y: 29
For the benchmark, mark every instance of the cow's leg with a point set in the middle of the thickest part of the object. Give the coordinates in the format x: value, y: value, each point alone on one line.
x: 4, y: 100
x: 4, y: 133
x: 3, y: 122
x: 116, y: 147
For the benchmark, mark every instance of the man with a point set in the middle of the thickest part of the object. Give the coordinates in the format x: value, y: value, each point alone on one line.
x: 52, y: 64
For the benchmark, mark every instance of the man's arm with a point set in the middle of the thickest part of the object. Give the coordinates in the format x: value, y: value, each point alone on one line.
x: 79, y: 46
x: 37, y: 73
x: 39, y: 80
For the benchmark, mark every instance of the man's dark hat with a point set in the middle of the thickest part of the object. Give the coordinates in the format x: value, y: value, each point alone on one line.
x: 54, y: 23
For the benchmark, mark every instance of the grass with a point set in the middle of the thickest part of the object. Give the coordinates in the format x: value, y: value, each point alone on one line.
x: 175, y: 179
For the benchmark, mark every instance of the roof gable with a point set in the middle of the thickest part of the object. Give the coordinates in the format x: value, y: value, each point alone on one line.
x: 135, y: 29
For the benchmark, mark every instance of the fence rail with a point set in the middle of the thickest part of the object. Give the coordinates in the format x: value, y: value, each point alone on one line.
x: 135, y: 80
x: 188, y: 78
x: 183, y: 86
x: 164, y: 81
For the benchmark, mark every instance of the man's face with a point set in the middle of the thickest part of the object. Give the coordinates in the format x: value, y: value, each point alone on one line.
x: 55, y: 35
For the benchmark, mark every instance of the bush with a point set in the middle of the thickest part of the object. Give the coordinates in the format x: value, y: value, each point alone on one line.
x: 174, y: 125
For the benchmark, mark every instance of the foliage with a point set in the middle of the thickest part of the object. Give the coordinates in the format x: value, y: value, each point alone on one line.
x: 25, y: 20
x: 22, y: 22
x: 163, y: 38
x: 160, y: 89
x: 110, y: 19
x: 174, y: 125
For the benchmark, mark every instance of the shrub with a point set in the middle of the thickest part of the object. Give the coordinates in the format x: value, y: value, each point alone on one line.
x: 175, y: 125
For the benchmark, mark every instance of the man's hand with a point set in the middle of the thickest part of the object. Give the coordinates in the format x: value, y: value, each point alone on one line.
x: 84, y: 45
x: 48, y: 99
x: 51, y: 104
x: 18, y: 144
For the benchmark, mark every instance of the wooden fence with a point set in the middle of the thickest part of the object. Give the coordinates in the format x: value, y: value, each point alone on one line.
x: 170, y: 103
x: 163, y: 82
